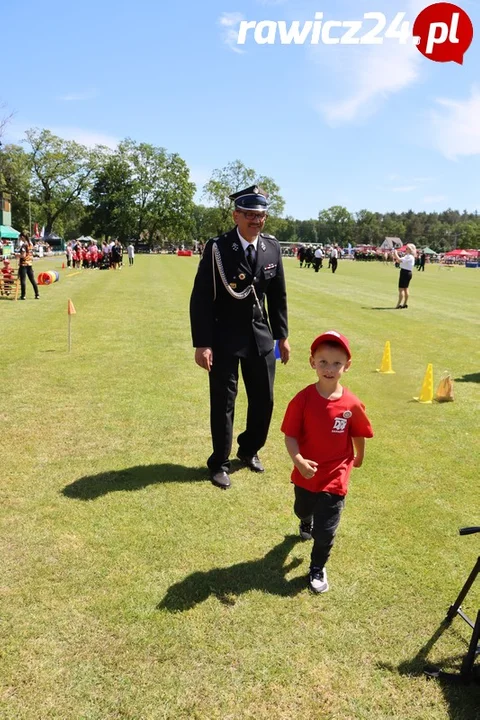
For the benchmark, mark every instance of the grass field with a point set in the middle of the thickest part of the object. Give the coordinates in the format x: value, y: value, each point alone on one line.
x: 133, y: 589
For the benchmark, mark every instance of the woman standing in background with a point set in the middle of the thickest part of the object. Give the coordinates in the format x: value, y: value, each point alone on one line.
x: 407, y: 263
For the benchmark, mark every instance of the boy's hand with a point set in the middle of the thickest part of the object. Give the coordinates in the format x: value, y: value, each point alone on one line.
x: 357, y: 461
x: 307, y: 468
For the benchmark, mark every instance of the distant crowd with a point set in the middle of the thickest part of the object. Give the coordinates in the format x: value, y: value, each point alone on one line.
x: 104, y: 257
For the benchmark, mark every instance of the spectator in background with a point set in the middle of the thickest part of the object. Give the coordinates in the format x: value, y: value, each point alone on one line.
x: 131, y: 253
x: 25, y: 268
x: 333, y: 258
x: 406, y: 263
x: 421, y: 262
x: 69, y: 254
x: 318, y: 259
x: 116, y: 254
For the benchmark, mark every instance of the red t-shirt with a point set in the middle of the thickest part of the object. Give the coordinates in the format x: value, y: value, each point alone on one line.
x: 324, y: 430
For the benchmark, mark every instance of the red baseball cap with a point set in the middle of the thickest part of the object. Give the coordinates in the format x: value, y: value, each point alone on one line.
x: 331, y: 336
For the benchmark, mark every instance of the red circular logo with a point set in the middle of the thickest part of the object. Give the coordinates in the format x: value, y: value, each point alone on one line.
x: 443, y: 32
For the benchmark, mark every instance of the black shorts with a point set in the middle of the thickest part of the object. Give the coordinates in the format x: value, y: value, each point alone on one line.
x: 404, y: 279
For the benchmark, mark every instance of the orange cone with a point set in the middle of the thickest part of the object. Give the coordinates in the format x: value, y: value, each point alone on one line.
x: 63, y: 266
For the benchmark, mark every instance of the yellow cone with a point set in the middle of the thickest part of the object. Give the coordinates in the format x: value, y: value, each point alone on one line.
x: 386, y: 364
x: 426, y: 393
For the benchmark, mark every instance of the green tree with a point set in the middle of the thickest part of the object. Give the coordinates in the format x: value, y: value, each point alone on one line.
x: 336, y: 225
x: 234, y: 177
x: 15, y: 169
x: 112, y: 212
x: 62, y: 173
x: 162, y: 192
x: 206, y: 222
x: 468, y: 235
x: 368, y: 228
x: 307, y: 231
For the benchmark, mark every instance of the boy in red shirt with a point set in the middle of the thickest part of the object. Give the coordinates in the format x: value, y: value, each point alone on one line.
x: 325, y: 427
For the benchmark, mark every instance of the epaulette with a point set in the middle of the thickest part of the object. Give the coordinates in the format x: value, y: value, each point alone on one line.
x: 270, y: 237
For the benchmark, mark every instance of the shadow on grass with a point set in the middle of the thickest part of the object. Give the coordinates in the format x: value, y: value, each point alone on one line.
x: 266, y: 574
x: 134, y: 478
x: 463, y: 699
x: 391, y: 307
x: 473, y: 377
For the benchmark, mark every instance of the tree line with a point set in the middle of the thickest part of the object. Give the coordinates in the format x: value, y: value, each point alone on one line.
x: 142, y: 191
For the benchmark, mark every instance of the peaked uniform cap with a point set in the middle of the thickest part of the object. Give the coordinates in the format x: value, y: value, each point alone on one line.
x: 252, y: 198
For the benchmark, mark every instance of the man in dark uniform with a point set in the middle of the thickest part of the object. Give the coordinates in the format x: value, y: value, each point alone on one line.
x: 230, y: 325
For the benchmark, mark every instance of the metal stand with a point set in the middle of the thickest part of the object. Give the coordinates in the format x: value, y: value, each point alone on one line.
x: 467, y: 670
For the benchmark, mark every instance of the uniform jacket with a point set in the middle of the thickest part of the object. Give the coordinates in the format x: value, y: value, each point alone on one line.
x: 236, y: 326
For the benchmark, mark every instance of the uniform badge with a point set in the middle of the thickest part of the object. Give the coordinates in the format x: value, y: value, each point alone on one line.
x: 234, y: 246
x: 241, y: 276
x: 263, y: 246
x: 347, y: 414
x: 339, y: 425
x: 233, y: 285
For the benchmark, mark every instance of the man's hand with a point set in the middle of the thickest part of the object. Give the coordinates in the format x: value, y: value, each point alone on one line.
x: 204, y: 358
x: 284, y: 347
x: 307, y: 468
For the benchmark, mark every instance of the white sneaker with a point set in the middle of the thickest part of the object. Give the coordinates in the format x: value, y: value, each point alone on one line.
x: 317, y: 579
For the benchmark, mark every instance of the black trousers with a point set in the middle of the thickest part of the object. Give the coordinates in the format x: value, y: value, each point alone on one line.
x: 334, y: 263
x: 258, y: 374
x: 325, y: 509
x: 25, y: 271
x: 317, y: 264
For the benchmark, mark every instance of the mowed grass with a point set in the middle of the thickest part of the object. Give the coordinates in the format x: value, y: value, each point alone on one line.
x: 133, y: 589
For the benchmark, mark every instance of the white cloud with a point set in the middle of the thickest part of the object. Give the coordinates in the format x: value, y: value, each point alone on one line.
x: 15, y: 133
x: 368, y: 74
x: 229, y: 23
x: 90, y: 138
x: 374, y: 73
x: 456, y: 127
x: 78, y: 96
x: 404, y: 188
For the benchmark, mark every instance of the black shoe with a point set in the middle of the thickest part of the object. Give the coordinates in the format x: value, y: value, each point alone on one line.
x: 220, y: 479
x: 21, y: 298
x: 404, y: 306
x: 251, y: 461
x: 306, y: 529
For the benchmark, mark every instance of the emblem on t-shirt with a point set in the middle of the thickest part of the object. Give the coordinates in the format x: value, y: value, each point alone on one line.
x: 339, y: 425
x: 347, y: 414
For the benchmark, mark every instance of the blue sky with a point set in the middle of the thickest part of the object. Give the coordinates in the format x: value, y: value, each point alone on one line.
x: 377, y: 127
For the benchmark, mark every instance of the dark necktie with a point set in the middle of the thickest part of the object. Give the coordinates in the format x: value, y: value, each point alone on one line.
x: 251, y: 257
